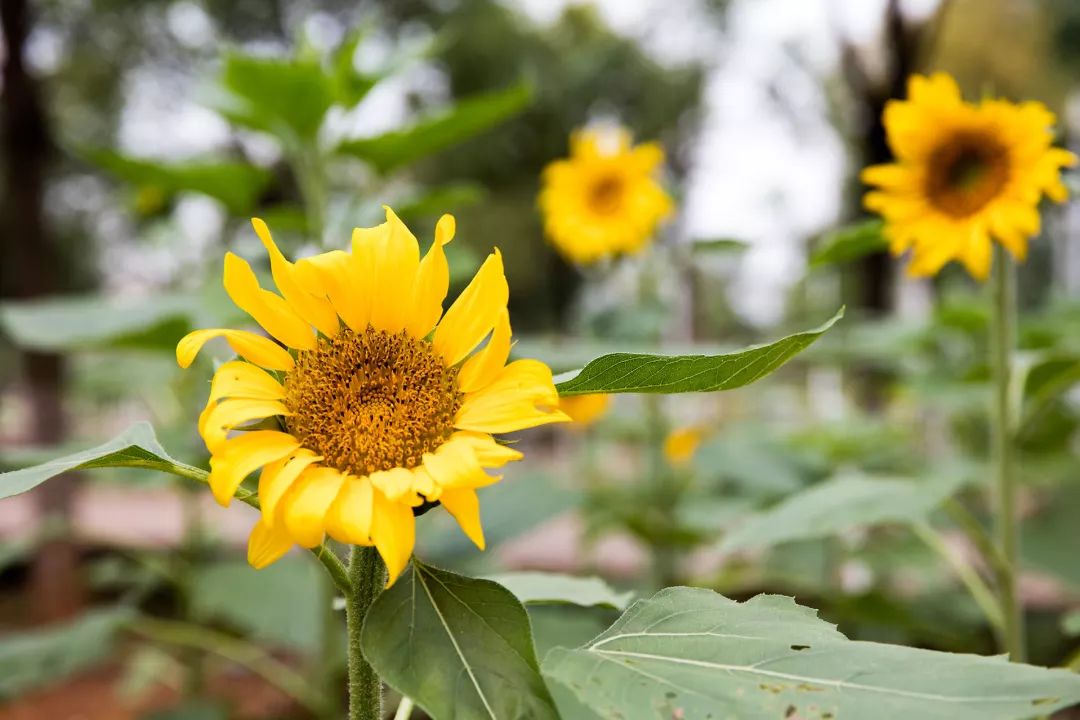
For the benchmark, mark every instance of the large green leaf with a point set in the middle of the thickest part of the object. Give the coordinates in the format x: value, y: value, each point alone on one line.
x: 32, y: 658
x: 430, y: 135
x: 70, y: 323
x: 850, y: 243
x: 692, y: 653
x: 460, y: 647
x: 286, y: 97
x: 135, y: 447
x: 840, y: 504
x: 237, y: 185
x: 642, y: 373
x: 536, y: 588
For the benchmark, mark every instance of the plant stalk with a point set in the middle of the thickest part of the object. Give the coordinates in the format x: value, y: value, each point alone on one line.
x: 1007, y: 531
x: 368, y: 577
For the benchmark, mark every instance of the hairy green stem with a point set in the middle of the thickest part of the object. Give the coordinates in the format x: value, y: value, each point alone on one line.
x: 1002, y: 342
x: 368, y: 576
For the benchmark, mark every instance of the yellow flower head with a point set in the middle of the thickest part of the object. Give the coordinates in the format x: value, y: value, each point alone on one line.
x: 381, y: 402
x: 584, y: 410
x: 965, y: 175
x: 681, y: 444
x: 604, y: 199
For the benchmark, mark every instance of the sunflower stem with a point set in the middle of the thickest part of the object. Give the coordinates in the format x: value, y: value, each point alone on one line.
x: 1002, y: 342
x: 368, y: 577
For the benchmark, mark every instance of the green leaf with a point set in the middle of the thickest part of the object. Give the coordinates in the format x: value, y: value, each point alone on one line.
x: 198, y: 709
x: 287, y: 97
x: 534, y: 588
x: 840, y: 504
x: 460, y: 647
x: 135, y: 447
x: 719, y: 245
x: 1070, y: 624
x: 643, y: 373
x: 430, y: 135
x: 692, y: 653
x: 850, y: 243
x: 69, y: 323
x: 237, y: 185
x: 32, y: 658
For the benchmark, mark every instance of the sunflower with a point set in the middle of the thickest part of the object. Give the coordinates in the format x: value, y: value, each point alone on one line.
x: 965, y: 175
x: 682, y: 443
x: 367, y: 402
x: 585, y: 410
x: 604, y: 199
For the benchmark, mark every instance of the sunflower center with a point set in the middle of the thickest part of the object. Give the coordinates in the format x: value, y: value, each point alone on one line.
x: 966, y: 173
x: 371, y: 401
x: 605, y: 195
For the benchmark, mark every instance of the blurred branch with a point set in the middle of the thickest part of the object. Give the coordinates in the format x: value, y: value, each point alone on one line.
x: 980, y: 592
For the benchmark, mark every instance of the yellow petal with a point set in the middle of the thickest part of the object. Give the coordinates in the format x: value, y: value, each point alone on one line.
x: 236, y: 379
x: 267, y: 545
x: 229, y: 414
x: 277, y: 477
x: 489, y: 453
x: 302, y: 510
x: 313, y: 309
x: 465, y: 507
x: 269, y: 310
x: 432, y: 282
x: 681, y: 444
x: 349, y: 518
x: 455, y: 465
x: 474, y: 313
x: 522, y: 396
x: 336, y: 273
x: 584, y: 410
x: 479, y: 370
x: 253, y: 348
x: 242, y: 455
x: 393, y: 530
x: 397, y: 259
x: 396, y: 484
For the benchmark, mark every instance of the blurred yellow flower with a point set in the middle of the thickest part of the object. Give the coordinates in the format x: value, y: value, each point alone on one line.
x: 584, y: 410
x: 681, y: 444
x: 965, y: 175
x: 604, y: 199
x: 386, y: 407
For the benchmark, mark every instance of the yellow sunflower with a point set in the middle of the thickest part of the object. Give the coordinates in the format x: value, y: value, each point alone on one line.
x: 604, y: 199
x: 965, y: 175
x: 366, y: 401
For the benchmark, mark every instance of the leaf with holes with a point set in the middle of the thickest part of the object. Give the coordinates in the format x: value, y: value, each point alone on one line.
x: 460, y: 647
x: 642, y: 373
x: 135, y: 447
x: 692, y: 653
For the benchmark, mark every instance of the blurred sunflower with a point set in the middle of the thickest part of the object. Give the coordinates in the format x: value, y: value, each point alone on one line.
x: 682, y: 443
x: 604, y: 199
x: 965, y: 175
x: 384, y: 409
x: 584, y: 410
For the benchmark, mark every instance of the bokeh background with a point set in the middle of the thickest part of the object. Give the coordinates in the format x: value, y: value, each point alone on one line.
x: 138, y: 138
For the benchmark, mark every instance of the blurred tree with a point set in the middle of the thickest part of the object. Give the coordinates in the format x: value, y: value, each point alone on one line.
x: 581, y: 70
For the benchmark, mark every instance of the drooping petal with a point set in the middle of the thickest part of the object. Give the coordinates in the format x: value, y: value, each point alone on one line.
x: 268, y: 309
x: 393, y: 530
x: 348, y: 519
x: 302, y: 510
x: 397, y: 260
x: 397, y: 485
x: 240, y: 456
x: 432, y: 282
x: 522, y: 396
x: 230, y: 414
x: 253, y: 348
x: 464, y: 505
x: 489, y: 453
x: 454, y: 465
x: 236, y: 379
x: 267, y: 545
x: 310, y: 307
x: 277, y: 477
x: 474, y: 313
x: 483, y: 367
